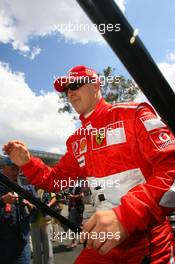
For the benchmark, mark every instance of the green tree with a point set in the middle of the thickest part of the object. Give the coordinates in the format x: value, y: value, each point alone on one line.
x: 115, y: 89
x: 66, y: 105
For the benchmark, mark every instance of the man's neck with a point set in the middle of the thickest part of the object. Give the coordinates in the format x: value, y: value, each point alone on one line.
x: 90, y: 112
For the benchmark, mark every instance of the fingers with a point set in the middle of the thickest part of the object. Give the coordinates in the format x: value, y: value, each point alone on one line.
x: 9, y: 198
x: 96, y: 239
x: 13, y: 198
x: 12, y: 142
x: 13, y: 150
x: 88, y: 226
x: 17, y: 151
x: 8, y: 147
x: 16, y: 141
x: 103, y: 231
x: 107, y: 246
x: 92, y: 234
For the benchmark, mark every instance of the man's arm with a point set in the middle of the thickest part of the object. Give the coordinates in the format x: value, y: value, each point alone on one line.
x: 38, y: 173
x: 77, y: 196
x: 147, y: 204
x: 153, y: 200
x: 6, y: 196
x: 53, y: 200
x: 9, y: 198
x: 18, y: 152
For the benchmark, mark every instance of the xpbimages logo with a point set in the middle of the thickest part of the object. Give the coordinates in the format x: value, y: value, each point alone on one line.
x: 84, y: 27
x: 91, y: 183
x: 86, y: 79
x: 102, y: 236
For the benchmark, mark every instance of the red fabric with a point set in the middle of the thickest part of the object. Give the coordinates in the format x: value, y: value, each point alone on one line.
x: 152, y: 150
x: 133, y: 250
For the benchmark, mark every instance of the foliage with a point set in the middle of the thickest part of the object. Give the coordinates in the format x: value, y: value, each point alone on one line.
x: 118, y: 89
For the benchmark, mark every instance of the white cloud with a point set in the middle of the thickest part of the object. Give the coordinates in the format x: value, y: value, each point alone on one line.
x: 30, y: 118
x: 36, y: 51
x: 6, y: 32
x: 22, y: 20
x: 168, y: 70
x: 121, y: 4
x: 171, y: 56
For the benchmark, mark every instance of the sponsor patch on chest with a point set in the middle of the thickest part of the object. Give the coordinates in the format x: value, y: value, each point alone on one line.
x: 112, y: 134
x: 81, y: 161
x: 79, y: 147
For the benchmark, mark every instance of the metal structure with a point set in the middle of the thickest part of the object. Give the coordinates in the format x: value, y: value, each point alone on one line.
x: 29, y: 197
x: 131, y: 51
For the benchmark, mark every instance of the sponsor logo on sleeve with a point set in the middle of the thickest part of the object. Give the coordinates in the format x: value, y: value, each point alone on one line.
x: 151, y: 123
x: 162, y: 139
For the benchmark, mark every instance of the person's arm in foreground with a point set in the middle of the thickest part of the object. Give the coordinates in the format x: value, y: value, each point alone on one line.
x: 38, y: 173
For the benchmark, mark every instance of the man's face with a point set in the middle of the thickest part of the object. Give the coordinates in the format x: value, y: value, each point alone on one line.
x: 11, y: 171
x: 84, y: 98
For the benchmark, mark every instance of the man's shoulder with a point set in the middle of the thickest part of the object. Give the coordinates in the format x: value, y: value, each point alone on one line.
x: 120, y: 111
x: 130, y: 107
x: 78, y: 133
x: 128, y: 112
x: 124, y: 105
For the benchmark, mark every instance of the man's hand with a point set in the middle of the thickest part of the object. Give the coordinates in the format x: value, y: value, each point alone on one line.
x: 29, y: 205
x: 9, y: 198
x: 17, y: 151
x: 103, y: 232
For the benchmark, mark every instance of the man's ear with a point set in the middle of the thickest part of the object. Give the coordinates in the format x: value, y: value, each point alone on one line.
x: 96, y: 86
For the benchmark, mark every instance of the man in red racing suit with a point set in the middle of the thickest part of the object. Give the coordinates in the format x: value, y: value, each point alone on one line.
x: 127, y: 156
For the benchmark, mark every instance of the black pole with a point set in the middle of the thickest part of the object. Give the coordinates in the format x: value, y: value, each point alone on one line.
x: 26, y: 195
x: 134, y: 56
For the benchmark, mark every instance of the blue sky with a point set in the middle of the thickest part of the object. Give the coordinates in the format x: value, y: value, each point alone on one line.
x: 32, y: 52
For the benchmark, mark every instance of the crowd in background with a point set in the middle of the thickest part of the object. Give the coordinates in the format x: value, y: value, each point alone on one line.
x: 28, y: 232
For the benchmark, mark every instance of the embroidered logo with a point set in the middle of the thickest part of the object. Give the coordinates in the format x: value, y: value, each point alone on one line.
x: 100, y: 138
x: 112, y: 134
x: 79, y: 146
x: 162, y: 139
x: 83, y: 145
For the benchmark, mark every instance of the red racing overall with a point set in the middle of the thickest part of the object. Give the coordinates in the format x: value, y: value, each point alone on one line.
x: 128, y: 146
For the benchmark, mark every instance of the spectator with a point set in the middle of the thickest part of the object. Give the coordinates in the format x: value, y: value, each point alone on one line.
x: 57, y: 204
x: 41, y: 232
x: 75, y: 208
x: 14, y: 220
